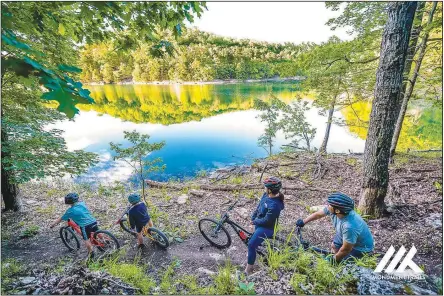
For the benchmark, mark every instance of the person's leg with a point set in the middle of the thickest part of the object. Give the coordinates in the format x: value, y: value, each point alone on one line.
x: 139, y: 230
x: 86, y: 232
x: 150, y: 223
x: 255, y: 241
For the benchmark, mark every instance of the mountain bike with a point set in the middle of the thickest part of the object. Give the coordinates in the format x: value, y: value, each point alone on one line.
x: 154, y: 234
x: 104, y: 240
x: 218, y: 236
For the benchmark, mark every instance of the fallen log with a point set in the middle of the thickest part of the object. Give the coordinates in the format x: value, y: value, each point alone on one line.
x: 230, y: 187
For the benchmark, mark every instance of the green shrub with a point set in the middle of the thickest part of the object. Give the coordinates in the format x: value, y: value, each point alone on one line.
x: 225, y: 283
x: 29, y: 232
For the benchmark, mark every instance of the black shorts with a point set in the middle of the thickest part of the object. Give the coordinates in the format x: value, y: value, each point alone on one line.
x: 140, y: 226
x: 87, y: 229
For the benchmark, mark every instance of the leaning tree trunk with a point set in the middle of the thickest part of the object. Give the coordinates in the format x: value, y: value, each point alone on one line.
x: 10, y: 190
x: 407, y: 91
x: 323, y: 148
x: 386, y: 105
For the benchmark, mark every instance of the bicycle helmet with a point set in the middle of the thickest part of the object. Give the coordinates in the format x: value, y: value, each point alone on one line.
x: 71, y: 198
x: 341, y: 201
x: 134, y: 198
x: 273, y: 183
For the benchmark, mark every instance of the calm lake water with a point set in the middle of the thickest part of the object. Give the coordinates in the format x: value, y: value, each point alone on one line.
x: 210, y: 126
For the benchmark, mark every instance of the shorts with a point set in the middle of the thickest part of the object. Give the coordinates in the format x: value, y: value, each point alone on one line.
x: 88, y: 229
x: 140, y: 226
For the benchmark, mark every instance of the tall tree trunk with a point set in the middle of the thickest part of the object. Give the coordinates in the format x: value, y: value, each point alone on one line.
x: 407, y: 91
x: 386, y: 106
x: 10, y: 191
x: 323, y: 148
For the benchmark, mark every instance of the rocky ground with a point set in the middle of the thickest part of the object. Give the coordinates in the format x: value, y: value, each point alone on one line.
x: 414, y: 217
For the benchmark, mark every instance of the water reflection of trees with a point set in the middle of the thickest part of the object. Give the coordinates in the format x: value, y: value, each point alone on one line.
x: 422, y: 128
x: 169, y: 104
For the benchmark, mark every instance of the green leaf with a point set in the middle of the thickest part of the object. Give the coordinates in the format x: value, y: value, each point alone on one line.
x: 62, y: 29
x: 250, y: 286
x: 67, y: 68
x: 243, y: 286
x: 178, y: 239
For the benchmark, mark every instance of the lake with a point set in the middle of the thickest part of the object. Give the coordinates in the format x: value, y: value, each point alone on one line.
x: 213, y: 125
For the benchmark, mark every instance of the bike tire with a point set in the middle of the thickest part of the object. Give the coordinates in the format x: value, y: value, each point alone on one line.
x: 126, y: 227
x: 111, y: 240
x: 159, y: 237
x: 208, y: 236
x: 69, y: 237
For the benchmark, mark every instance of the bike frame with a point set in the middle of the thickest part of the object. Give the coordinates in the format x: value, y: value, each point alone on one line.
x: 237, y: 228
x: 76, y: 228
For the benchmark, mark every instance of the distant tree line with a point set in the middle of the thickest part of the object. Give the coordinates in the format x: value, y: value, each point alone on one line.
x: 197, y: 56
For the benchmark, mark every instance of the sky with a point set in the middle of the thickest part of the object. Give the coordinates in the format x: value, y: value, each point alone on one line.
x: 295, y: 22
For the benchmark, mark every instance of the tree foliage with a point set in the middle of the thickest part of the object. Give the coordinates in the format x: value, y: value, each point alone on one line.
x: 40, y: 37
x: 137, y: 155
x: 32, y: 151
x: 199, y: 56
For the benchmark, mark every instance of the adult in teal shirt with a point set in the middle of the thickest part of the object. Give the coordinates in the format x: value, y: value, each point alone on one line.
x: 353, y: 237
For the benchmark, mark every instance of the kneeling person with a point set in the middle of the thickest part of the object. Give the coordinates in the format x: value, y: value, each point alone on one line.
x: 138, y: 217
x: 353, y: 237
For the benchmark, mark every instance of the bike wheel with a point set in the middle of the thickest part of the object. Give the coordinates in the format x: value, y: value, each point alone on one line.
x: 158, y: 237
x: 106, y: 241
x: 126, y: 227
x: 69, y: 238
x: 220, y: 239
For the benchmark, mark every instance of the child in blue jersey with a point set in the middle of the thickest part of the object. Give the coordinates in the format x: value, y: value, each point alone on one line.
x: 264, y: 218
x: 138, y: 217
x: 79, y: 213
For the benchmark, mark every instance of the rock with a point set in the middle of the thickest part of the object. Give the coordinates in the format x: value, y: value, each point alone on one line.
x: 31, y: 201
x: 434, y: 220
x: 22, y: 292
x: 231, y: 249
x: 197, y: 193
x: 370, y: 283
x: 182, y: 199
x: 27, y: 280
x: 216, y: 256
x: 243, y: 212
x: 205, y: 271
x: 316, y: 208
x: 104, y: 291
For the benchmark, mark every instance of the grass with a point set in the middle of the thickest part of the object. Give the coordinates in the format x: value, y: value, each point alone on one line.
x: 438, y: 186
x: 224, y: 280
x: 131, y: 273
x: 48, y: 210
x: 167, y: 285
x: 351, y: 161
x: 298, y: 282
x: 29, y: 232
x: 368, y: 261
x: 10, y: 267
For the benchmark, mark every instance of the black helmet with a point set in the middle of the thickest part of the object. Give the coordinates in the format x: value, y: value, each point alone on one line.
x: 71, y: 198
x: 341, y: 201
x: 273, y: 183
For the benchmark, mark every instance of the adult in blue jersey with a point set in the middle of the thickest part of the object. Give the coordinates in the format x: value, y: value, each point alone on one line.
x: 264, y: 218
x: 353, y: 238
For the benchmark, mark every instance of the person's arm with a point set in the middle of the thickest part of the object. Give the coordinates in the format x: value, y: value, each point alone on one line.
x: 131, y: 220
x: 315, y: 216
x: 343, y: 251
x: 254, y: 215
x: 349, y: 239
x: 57, y: 221
x: 271, y: 215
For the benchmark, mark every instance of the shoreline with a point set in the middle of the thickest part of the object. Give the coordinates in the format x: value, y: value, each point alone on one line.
x: 216, y: 81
